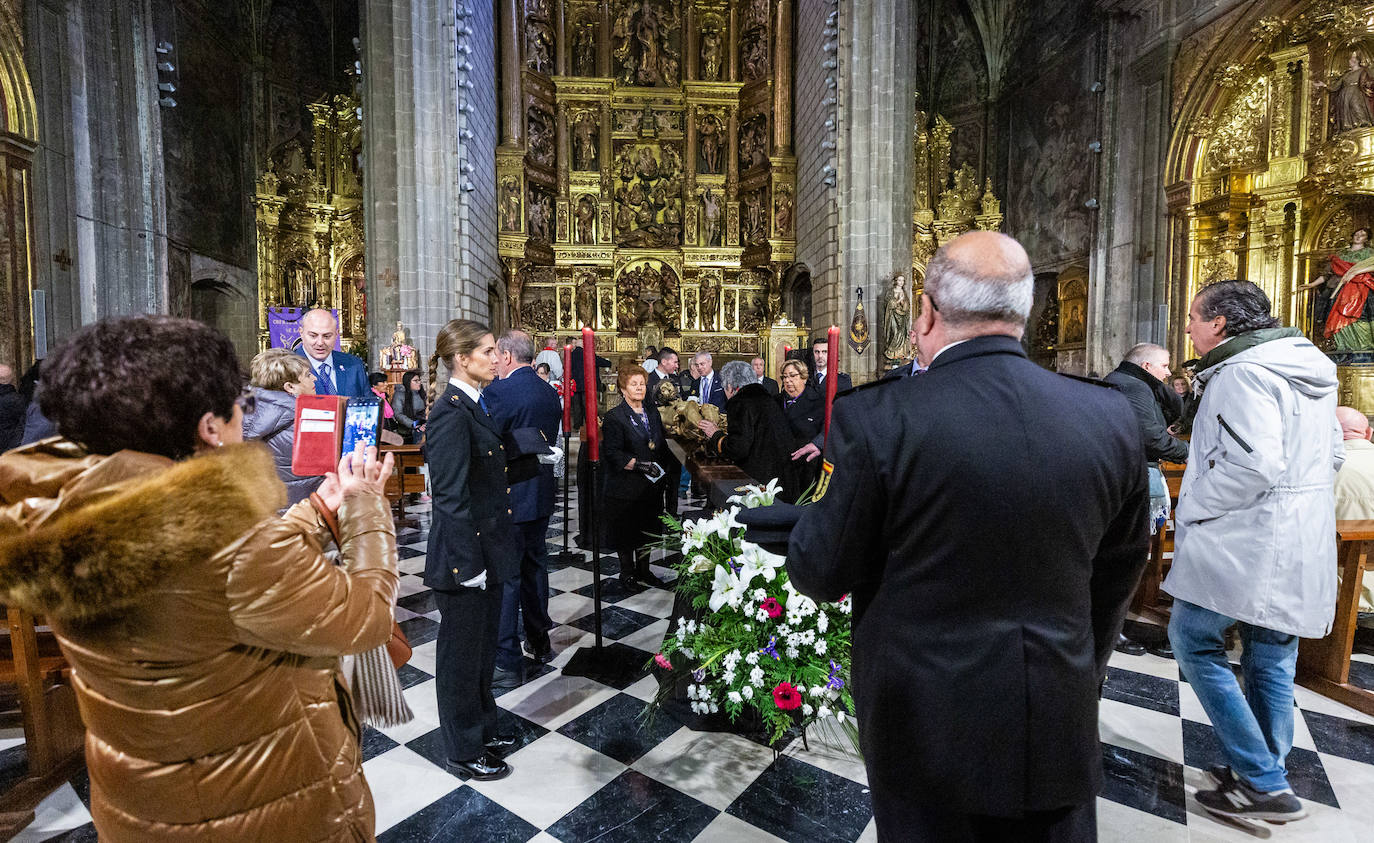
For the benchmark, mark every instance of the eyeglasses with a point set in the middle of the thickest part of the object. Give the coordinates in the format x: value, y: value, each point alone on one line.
x: 247, y: 400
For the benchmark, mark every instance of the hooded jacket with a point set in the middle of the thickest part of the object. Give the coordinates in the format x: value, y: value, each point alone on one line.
x: 274, y: 423
x: 1256, y: 525
x: 203, y: 634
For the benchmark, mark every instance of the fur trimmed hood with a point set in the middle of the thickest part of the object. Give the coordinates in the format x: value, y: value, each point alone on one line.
x: 82, y: 536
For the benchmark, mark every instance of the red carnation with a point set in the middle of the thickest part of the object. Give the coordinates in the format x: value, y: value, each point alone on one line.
x: 786, y: 697
x: 772, y: 607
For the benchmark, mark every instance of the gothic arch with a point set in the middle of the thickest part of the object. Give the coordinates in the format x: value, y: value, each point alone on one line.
x: 18, y: 139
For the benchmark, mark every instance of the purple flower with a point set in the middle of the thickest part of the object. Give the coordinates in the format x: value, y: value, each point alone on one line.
x: 699, y: 674
x: 772, y: 648
x: 835, y: 682
x: 734, y: 566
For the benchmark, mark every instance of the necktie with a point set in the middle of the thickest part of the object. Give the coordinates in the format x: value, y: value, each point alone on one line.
x: 706, y: 388
x: 323, y: 384
x: 482, y: 402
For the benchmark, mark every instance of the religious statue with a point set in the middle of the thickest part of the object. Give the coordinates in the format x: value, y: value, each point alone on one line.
x: 586, y: 299
x: 1350, y: 320
x: 584, y: 142
x: 642, y: 43
x: 586, y: 220
x: 399, y: 355
x: 710, y: 55
x: 1352, y: 96
x: 756, y: 55
x: 540, y: 122
x: 710, y: 301
x: 584, y: 51
x: 1075, y: 326
x: 782, y: 211
x: 300, y: 283
x: 753, y: 142
x: 538, y: 47
x: 710, y: 138
x: 541, y: 214
x: 510, y: 204
x: 681, y: 416
x: 515, y: 287
x: 896, y: 320
x: 755, y: 226
x: 648, y: 201
x: 710, y: 203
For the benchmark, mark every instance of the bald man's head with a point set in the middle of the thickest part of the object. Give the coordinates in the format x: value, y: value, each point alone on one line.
x: 980, y: 277
x: 1354, y: 424
x: 6, y: 374
x: 318, y: 332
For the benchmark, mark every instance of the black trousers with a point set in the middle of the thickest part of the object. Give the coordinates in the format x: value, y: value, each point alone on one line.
x: 909, y: 821
x: 525, y: 599
x: 465, y: 655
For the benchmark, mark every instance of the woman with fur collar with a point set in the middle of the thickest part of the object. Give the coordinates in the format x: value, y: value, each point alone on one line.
x: 202, y: 629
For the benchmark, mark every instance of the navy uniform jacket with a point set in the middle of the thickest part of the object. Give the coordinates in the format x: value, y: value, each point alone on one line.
x: 471, y: 529
x: 350, y: 373
x: 991, y: 546
x: 523, y: 399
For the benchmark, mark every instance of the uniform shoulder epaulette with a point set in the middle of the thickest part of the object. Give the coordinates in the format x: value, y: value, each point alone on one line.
x: 1084, y: 379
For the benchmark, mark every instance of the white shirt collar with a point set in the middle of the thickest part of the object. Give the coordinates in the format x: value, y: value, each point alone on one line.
x: 468, y: 389
x: 316, y: 364
x: 946, y: 348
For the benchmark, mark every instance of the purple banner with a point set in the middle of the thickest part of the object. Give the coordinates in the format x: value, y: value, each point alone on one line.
x: 283, y: 330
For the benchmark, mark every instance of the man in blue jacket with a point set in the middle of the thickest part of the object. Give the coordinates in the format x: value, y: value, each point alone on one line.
x: 336, y: 373
x: 522, y: 399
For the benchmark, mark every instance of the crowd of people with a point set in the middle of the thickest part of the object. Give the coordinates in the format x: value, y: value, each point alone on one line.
x: 990, y: 519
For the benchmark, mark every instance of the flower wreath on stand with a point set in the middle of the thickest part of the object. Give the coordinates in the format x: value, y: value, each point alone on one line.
x: 761, y: 646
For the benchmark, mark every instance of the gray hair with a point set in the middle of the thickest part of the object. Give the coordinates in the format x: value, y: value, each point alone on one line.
x: 736, y: 375
x: 1144, y: 352
x: 1244, y: 305
x: 702, y: 354
x: 518, y: 344
x: 964, y: 295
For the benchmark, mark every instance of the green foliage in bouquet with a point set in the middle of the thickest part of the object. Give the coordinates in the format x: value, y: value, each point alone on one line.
x: 761, y: 645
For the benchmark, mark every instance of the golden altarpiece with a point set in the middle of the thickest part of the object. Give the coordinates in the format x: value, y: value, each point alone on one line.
x: 947, y: 201
x: 1271, y: 167
x: 652, y: 193
x: 310, y: 222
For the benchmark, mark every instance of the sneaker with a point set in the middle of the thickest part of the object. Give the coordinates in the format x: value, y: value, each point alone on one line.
x: 1241, y: 801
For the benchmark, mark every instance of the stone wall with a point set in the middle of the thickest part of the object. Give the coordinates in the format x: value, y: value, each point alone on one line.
x: 478, y: 264
x: 818, y: 219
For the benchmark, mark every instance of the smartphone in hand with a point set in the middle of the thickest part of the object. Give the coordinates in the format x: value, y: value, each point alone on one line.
x: 362, y: 423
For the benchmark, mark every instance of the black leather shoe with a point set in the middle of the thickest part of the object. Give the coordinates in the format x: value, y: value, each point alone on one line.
x: 543, y: 654
x: 650, y: 580
x: 628, y: 583
x: 504, y: 680
x: 1164, y: 651
x: 484, y: 768
x: 1129, y: 647
x: 500, y: 743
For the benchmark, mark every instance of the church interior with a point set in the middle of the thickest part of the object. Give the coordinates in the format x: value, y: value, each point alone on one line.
x: 734, y: 176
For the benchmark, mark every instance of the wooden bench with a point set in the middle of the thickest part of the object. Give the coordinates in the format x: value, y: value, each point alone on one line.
x: 406, y: 478
x: 33, y: 667
x: 1149, y: 600
x: 1324, y: 663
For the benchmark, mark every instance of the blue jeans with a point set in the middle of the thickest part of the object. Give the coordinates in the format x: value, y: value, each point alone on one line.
x: 1255, y: 727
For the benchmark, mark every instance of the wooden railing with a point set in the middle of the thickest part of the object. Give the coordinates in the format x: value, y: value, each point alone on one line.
x: 1324, y: 663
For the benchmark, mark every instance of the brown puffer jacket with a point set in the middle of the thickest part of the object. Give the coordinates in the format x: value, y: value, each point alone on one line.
x: 204, y: 634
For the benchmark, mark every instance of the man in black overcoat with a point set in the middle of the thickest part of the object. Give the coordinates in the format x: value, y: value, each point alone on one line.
x: 988, y: 518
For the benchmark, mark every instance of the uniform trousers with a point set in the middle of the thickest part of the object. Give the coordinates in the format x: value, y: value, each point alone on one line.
x: 465, y: 655
x: 526, y: 597
x: 909, y: 821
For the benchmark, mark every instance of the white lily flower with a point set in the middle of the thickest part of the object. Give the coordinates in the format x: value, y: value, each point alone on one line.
x: 700, y: 564
x: 725, y: 589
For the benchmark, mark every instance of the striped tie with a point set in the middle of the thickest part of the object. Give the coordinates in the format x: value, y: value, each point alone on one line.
x: 323, y: 384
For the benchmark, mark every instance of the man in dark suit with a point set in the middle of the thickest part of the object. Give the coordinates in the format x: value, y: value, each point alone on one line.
x: 709, y: 388
x: 769, y: 385
x: 12, y: 406
x: 575, y: 360
x: 665, y: 371
x: 906, y: 370
x: 991, y: 545
x: 336, y: 373
x: 820, y: 347
x: 522, y: 399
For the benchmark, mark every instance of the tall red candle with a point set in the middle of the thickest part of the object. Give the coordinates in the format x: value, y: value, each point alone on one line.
x: 566, y: 388
x: 832, y: 366
x: 589, y: 384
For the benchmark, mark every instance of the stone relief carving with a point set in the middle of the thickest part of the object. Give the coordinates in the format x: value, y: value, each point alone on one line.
x: 539, y: 123
x: 584, y: 49
x: 710, y: 299
x: 782, y: 211
x: 753, y: 142
x: 510, y: 204
x: 538, y: 46
x: 755, y: 211
x: 647, y: 295
x: 586, y: 134
x: 711, y: 49
x: 710, y: 214
x: 710, y: 143
x: 586, y: 219
x: 541, y: 215
x: 586, y: 298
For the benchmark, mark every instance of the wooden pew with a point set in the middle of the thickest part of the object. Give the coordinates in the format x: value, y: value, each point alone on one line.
x: 1324, y: 663
x: 53, y: 733
x: 405, y: 479
x: 1149, y: 601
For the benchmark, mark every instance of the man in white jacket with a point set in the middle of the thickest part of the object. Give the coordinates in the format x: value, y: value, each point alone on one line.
x: 1256, y: 540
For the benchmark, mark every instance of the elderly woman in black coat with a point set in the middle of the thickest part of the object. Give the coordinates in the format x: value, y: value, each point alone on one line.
x: 759, y: 440
x: 635, y: 454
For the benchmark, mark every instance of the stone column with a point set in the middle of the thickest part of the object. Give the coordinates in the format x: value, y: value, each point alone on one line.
x: 99, y: 187
x: 512, y: 121
x: 782, y: 79
x: 425, y: 186
x: 876, y: 86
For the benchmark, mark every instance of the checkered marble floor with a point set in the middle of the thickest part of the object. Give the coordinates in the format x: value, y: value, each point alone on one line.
x: 587, y: 766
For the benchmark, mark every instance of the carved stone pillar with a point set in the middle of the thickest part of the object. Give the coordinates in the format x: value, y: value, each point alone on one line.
x: 733, y: 42
x: 691, y: 44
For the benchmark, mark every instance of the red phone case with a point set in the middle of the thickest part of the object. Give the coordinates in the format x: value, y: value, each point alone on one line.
x: 319, y: 434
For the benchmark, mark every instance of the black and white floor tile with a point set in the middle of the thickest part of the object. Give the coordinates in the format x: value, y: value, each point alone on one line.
x: 589, y: 766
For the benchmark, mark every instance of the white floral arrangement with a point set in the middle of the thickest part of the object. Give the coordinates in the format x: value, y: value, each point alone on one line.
x: 762, y: 645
